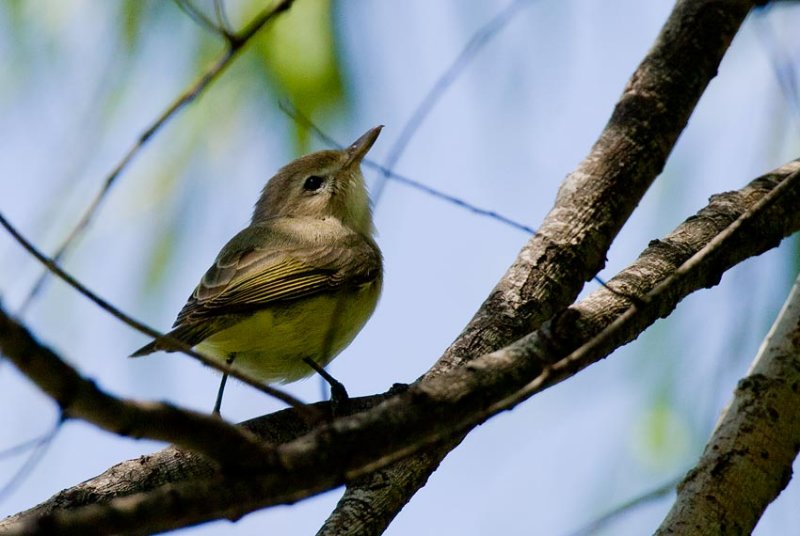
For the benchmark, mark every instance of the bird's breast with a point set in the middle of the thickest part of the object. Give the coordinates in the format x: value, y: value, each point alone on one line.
x: 272, y: 343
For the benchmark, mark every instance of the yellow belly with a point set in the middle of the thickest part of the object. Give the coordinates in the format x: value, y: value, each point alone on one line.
x: 272, y: 343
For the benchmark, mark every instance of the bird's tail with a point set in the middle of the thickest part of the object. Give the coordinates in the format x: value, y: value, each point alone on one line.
x: 191, y: 335
x: 148, y: 348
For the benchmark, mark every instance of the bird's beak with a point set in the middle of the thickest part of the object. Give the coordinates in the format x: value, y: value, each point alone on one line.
x: 362, y: 145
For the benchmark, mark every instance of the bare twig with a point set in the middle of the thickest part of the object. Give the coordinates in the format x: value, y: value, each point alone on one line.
x: 51, y: 266
x: 171, y: 465
x: 200, y: 18
x: 236, y: 43
x: 592, y: 528
x: 478, y: 40
x: 293, y: 112
x: 222, y: 16
x: 38, y: 448
x: 26, y: 445
x: 447, y: 404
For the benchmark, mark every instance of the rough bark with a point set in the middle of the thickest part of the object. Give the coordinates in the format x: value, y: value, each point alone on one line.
x: 592, y: 205
x: 79, y: 397
x: 455, y: 401
x: 748, y: 460
x: 174, y: 464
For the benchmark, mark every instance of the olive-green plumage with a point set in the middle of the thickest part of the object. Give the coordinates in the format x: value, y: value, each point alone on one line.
x: 300, y: 281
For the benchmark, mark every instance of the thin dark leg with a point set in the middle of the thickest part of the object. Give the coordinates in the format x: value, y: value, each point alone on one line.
x: 218, y: 403
x: 339, y: 394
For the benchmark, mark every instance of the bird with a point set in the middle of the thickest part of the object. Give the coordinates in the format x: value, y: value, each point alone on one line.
x: 292, y: 289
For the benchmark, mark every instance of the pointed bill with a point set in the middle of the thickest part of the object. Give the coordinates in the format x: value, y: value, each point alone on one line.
x: 362, y: 145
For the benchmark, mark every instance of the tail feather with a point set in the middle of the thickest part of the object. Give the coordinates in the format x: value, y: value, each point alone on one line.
x: 191, y: 334
x: 148, y: 348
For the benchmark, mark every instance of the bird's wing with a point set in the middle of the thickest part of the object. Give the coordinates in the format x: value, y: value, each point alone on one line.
x: 280, y: 267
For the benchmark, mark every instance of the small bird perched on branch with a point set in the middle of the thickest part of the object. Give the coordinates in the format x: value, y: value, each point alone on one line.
x: 291, y: 290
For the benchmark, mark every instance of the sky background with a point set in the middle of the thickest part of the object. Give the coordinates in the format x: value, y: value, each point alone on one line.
x: 81, y: 79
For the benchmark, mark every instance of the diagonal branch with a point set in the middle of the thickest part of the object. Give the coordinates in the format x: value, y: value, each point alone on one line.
x: 430, y: 412
x: 172, y: 465
x: 180, y: 346
x: 592, y: 205
x: 751, y: 452
x: 236, y: 42
x: 79, y: 397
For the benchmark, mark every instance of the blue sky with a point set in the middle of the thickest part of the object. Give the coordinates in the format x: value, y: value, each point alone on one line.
x: 518, y: 119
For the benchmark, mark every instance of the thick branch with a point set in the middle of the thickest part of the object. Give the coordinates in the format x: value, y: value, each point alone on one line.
x: 592, y: 205
x: 453, y: 402
x: 173, y: 464
x: 748, y: 460
x: 79, y: 397
x: 53, y: 267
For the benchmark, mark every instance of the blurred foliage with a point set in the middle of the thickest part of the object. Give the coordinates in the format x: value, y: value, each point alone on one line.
x: 170, y: 207
x: 662, y: 436
x: 133, y: 13
x: 301, y: 57
x: 298, y: 57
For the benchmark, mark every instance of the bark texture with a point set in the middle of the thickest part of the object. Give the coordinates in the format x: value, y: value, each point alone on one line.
x: 303, y: 462
x: 592, y: 205
x: 748, y: 460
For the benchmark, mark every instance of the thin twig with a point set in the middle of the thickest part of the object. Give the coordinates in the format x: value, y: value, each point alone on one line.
x: 594, y: 526
x: 19, y: 448
x: 39, y: 449
x: 53, y: 267
x: 478, y: 40
x: 222, y: 16
x: 235, y: 44
x: 293, y: 112
x: 200, y: 18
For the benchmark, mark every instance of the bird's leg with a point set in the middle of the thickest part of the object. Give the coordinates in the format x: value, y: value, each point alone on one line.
x: 339, y: 394
x: 218, y: 403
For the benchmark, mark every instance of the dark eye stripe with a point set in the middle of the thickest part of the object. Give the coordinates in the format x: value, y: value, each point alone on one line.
x: 313, y: 183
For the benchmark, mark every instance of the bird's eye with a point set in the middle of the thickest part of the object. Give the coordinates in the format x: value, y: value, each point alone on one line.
x: 313, y: 183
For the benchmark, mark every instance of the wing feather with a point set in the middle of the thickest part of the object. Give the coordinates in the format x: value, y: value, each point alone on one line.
x: 281, y: 267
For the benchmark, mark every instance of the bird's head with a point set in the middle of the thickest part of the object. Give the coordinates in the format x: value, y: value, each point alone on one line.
x: 325, y: 184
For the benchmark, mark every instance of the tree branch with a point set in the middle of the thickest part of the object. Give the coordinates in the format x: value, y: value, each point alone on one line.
x: 435, y: 409
x: 748, y: 460
x: 172, y: 464
x: 224, y: 443
x: 128, y: 320
x: 592, y: 205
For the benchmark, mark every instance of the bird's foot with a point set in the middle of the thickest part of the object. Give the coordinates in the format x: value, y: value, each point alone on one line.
x: 339, y: 397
